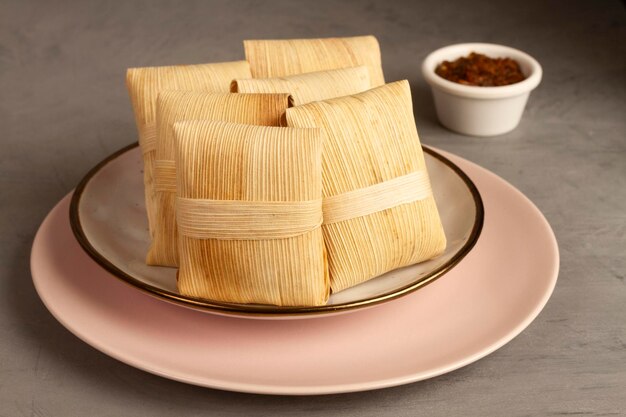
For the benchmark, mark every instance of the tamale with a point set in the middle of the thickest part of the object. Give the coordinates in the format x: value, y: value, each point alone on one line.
x: 279, y: 58
x: 311, y: 86
x: 174, y: 106
x: 144, y: 85
x: 379, y: 212
x: 249, y: 212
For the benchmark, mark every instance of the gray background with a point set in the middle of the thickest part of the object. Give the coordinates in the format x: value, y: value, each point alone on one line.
x: 64, y: 107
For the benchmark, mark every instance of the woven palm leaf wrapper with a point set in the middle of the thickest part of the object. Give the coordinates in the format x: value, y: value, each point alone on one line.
x: 249, y: 212
x: 309, y: 87
x: 144, y: 85
x: 174, y: 106
x: 372, y: 139
x: 279, y: 58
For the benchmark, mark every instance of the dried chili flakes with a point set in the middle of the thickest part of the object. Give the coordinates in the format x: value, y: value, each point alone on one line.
x: 481, y: 70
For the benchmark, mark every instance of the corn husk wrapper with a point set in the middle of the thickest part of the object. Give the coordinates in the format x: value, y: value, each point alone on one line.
x: 279, y: 58
x: 234, y: 162
x: 309, y: 87
x: 371, y: 138
x: 144, y: 85
x: 174, y: 106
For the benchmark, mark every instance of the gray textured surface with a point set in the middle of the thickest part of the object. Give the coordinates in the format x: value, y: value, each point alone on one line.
x: 63, y: 107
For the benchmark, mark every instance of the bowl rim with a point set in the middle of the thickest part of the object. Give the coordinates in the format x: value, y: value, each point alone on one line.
x: 470, y: 91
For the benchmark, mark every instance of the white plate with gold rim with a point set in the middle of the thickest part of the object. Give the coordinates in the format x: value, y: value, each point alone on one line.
x: 107, y: 215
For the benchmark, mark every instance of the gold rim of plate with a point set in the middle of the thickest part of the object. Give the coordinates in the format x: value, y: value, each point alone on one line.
x: 269, y: 310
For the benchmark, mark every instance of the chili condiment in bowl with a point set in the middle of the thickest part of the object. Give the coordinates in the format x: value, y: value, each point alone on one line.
x: 481, y: 70
x: 480, y: 89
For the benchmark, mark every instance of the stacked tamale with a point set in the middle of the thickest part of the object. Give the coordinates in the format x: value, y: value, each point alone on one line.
x: 144, y: 85
x: 286, y: 177
x: 174, y: 106
x: 311, y: 86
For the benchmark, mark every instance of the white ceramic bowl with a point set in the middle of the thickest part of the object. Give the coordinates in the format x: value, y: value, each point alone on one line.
x: 480, y: 111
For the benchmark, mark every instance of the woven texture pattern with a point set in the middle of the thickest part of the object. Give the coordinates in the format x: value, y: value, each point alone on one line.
x: 371, y: 138
x: 279, y: 58
x: 174, y: 106
x: 144, y: 85
x: 246, y: 220
x: 378, y: 197
x: 309, y: 87
x: 235, y: 162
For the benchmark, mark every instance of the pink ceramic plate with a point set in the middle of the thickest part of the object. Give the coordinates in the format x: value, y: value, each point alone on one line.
x: 489, y: 298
